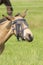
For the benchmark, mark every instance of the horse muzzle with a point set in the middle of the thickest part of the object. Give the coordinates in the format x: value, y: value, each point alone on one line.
x: 30, y: 38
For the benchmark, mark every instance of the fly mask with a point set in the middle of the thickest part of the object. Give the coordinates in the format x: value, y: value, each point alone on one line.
x: 19, y: 27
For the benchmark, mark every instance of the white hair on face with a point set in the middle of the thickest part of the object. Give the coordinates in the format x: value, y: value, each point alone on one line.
x: 27, y: 31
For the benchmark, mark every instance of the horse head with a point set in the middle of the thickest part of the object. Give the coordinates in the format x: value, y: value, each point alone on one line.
x: 20, y: 27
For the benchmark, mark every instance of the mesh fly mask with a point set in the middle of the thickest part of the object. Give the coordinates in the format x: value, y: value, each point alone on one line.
x: 19, y: 28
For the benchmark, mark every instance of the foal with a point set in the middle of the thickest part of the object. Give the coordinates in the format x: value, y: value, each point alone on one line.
x: 14, y: 25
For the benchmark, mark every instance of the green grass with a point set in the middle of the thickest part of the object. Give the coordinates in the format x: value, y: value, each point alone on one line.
x: 25, y: 53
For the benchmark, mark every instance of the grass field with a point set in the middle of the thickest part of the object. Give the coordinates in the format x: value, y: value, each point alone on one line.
x: 25, y: 53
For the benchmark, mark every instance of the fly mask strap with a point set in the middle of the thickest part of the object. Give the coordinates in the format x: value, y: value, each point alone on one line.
x: 18, y: 31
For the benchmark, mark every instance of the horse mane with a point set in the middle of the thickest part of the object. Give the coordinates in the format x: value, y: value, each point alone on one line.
x: 3, y: 20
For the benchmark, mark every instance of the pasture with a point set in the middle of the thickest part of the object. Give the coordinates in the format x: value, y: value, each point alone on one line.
x: 23, y: 52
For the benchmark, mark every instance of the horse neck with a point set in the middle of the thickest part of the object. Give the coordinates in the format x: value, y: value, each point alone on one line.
x: 5, y: 32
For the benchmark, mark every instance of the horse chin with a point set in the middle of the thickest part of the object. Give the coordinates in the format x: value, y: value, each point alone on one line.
x: 23, y: 39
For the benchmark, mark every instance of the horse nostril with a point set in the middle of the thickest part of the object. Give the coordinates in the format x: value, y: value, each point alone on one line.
x: 30, y: 38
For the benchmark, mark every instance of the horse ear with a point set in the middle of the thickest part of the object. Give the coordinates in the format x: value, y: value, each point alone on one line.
x: 24, y: 13
x: 8, y: 17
